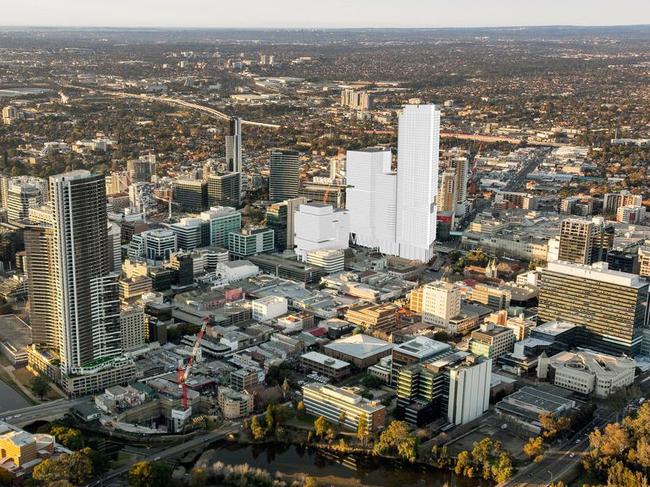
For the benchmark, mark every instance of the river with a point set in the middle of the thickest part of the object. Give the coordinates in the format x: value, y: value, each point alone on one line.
x: 337, y: 470
x: 10, y: 399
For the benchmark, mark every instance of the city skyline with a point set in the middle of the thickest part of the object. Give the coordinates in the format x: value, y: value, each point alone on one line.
x: 328, y: 14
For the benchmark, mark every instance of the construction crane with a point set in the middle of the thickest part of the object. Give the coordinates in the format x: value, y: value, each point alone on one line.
x: 184, y: 373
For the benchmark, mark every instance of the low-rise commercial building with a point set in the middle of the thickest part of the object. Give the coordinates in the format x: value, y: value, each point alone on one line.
x: 324, y: 365
x: 381, y: 317
x: 335, y: 402
x: 491, y: 341
x: 524, y: 407
x: 234, y: 404
x: 360, y: 350
x: 269, y: 307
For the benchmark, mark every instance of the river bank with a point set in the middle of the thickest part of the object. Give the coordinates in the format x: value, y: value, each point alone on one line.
x: 328, y: 467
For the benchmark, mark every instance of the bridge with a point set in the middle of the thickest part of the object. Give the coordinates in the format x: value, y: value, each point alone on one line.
x: 47, y: 411
x: 198, y: 443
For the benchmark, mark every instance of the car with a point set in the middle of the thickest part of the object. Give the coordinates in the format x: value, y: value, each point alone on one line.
x: 572, y: 455
x: 578, y: 441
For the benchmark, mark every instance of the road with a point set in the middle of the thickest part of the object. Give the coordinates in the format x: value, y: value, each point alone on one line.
x: 46, y: 410
x: 173, y: 101
x: 169, y: 453
x: 529, y: 166
x: 558, y: 461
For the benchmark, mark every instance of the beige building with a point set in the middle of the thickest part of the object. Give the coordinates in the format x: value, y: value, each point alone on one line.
x: 440, y: 303
x: 234, y: 404
x: 644, y: 261
x: 381, y: 317
x: 132, y: 289
x: 415, y: 300
x: 132, y: 327
x: 491, y: 341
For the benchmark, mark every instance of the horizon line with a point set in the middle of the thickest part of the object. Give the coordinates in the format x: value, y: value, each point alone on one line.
x: 316, y: 28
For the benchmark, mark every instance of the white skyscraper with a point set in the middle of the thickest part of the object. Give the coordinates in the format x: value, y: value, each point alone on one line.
x: 371, y: 199
x: 417, y: 179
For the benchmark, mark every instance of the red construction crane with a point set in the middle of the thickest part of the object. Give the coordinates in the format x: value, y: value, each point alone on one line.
x: 184, y: 373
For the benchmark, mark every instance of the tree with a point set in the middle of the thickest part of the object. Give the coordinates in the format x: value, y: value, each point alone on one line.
x: 534, y: 447
x: 311, y: 482
x: 397, y: 439
x: 270, y: 418
x: 362, y: 428
x: 612, y: 442
x: 463, y: 463
x: 621, y: 476
x: 256, y: 429
x: 371, y: 382
x: 320, y: 426
x: 300, y: 409
x: 342, y: 418
x: 553, y: 425
x: 502, y: 470
x: 68, y: 437
x: 75, y: 468
x: 39, y: 386
x: 199, y: 477
x: 149, y: 474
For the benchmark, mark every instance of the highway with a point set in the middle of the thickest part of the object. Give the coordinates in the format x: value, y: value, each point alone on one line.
x: 172, y: 101
x: 169, y: 453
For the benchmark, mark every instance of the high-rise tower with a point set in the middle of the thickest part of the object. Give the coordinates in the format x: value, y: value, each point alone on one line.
x: 87, y: 297
x: 233, y: 146
x: 284, y: 180
x: 417, y: 180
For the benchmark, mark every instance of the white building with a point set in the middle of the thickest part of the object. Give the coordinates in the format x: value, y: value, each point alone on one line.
x: 236, y: 270
x: 154, y: 245
x: 469, y: 390
x: 115, y: 246
x: 332, y: 260
x: 23, y: 193
x: 440, y: 303
x: 588, y: 372
x: 319, y: 227
x: 417, y: 177
x: 269, y: 307
x: 371, y: 199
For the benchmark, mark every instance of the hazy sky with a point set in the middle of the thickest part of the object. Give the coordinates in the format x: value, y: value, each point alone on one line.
x: 322, y: 13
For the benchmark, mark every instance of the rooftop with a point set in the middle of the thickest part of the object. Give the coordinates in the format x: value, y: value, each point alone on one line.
x: 597, y: 272
x: 325, y: 360
x: 554, y: 328
x: 422, y: 347
x: 359, y: 346
x: 14, y: 332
